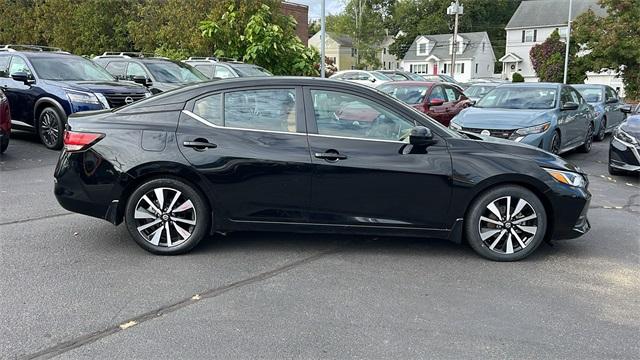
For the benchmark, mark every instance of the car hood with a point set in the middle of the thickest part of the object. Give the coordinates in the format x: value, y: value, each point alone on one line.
x: 541, y: 157
x: 506, y: 119
x: 632, y: 126
x: 105, y: 87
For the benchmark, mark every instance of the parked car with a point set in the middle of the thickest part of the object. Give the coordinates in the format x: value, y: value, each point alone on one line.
x: 233, y: 155
x: 476, y: 91
x: 553, y: 117
x: 369, y: 78
x: 606, y: 105
x: 220, y: 68
x: 624, y: 149
x: 46, y: 85
x: 5, y: 123
x: 158, y: 74
x: 441, y: 101
x: 445, y: 78
x: 399, y: 75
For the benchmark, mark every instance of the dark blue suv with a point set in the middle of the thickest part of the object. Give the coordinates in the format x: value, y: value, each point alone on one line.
x: 46, y: 85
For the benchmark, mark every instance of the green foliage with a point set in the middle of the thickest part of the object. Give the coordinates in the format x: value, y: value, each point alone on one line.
x: 547, y: 60
x: 612, y: 41
x: 517, y: 77
x: 268, y: 39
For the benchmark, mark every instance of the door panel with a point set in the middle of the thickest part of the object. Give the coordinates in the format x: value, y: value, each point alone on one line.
x: 21, y: 97
x: 255, y: 174
x: 362, y: 177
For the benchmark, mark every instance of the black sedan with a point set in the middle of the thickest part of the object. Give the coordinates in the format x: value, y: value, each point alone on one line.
x: 268, y: 154
x: 624, y: 150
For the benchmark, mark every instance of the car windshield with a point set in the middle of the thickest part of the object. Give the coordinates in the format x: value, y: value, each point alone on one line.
x: 591, y: 95
x: 171, y: 72
x: 415, y: 77
x: 69, y: 68
x: 512, y: 97
x: 448, y: 79
x: 478, y: 90
x: 380, y: 76
x: 411, y: 94
x: 250, y: 70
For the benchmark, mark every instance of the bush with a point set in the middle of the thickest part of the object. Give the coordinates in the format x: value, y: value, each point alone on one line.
x: 517, y: 77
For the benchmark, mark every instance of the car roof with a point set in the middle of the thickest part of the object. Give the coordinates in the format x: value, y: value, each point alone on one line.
x: 42, y: 54
x: 533, y: 84
x: 588, y: 85
x: 412, y: 82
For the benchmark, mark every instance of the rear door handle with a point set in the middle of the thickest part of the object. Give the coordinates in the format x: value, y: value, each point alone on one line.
x: 200, y: 144
x: 331, y: 156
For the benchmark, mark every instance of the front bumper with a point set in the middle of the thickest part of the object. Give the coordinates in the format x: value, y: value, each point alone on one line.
x: 570, y: 207
x: 624, y: 156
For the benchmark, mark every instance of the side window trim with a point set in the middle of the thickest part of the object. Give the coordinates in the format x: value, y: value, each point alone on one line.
x: 31, y: 72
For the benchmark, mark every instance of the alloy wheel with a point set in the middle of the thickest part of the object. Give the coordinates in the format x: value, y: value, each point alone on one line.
x: 49, y: 132
x: 589, y: 139
x: 165, y: 217
x: 508, y: 224
x: 555, y: 144
x: 603, y: 129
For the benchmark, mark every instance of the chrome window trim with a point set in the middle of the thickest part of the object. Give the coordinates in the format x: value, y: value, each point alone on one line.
x: 357, y: 138
x: 205, y: 122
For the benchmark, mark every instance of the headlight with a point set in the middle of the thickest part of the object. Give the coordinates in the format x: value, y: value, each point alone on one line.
x: 567, y: 177
x: 621, y: 135
x: 103, y: 100
x: 533, y: 129
x: 454, y: 126
x: 83, y: 98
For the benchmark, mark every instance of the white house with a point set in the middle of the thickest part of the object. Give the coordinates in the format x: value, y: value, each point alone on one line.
x: 387, y: 60
x: 431, y: 54
x: 531, y: 24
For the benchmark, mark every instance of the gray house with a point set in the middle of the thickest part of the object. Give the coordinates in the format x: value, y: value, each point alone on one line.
x: 431, y: 54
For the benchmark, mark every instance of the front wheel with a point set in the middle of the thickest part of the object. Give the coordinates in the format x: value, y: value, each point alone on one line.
x: 588, y: 141
x: 506, y: 223
x: 167, y: 216
x: 50, y: 128
x: 555, y: 143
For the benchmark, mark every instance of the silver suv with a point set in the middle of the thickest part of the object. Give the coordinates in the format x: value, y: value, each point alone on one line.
x: 223, y: 68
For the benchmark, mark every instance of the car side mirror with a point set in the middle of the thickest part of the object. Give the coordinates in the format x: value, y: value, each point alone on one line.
x: 612, y: 101
x: 142, y: 80
x: 472, y: 102
x: 436, y: 102
x: 421, y: 136
x: 22, y: 77
x: 372, y: 79
x: 626, y: 109
x: 569, y: 106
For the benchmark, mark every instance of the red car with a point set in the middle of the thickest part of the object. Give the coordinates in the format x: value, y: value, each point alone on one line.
x: 440, y: 101
x: 5, y: 122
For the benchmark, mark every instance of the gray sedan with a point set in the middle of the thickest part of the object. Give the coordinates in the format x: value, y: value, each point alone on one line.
x: 606, y: 105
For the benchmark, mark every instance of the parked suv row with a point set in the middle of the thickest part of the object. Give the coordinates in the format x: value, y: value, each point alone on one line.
x: 222, y: 68
x: 45, y: 85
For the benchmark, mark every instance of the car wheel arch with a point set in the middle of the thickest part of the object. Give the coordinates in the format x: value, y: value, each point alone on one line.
x: 44, y: 103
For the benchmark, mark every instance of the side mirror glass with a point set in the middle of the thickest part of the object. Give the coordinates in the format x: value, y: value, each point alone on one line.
x: 22, y: 77
x: 436, y: 102
x: 421, y: 136
x: 139, y: 79
x: 372, y: 79
x: 570, y: 106
x: 612, y: 101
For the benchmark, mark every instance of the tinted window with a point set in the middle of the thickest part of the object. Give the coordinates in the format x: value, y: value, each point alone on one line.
x: 438, y: 93
x: 223, y: 73
x: 116, y: 68
x: 411, y: 94
x: 341, y: 114
x: 135, y: 69
x: 611, y: 94
x: 69, y: 68
x: 250, y: 70
x: 18, y: 65
x: 210, y: 108
x: 519, y: 97
x: 172, y: 72
x: 592, y: 95
x: 4, y: 66
x: 207, y: 70
x: 272, y: 109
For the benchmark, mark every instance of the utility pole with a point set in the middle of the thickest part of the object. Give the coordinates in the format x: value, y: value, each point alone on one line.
x: 566, y: 55
x: 323, y: 36
x: 454, y: 9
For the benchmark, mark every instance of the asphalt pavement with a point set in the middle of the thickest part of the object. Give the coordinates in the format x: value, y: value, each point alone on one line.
x: 74, y: 287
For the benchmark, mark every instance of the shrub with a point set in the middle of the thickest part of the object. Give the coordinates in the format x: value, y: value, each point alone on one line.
x: 517, y: 78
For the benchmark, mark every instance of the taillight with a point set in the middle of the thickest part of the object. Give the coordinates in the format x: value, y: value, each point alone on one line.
x: 78, y: 141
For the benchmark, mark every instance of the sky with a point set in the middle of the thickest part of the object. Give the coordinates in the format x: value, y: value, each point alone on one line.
x: 332, y: 7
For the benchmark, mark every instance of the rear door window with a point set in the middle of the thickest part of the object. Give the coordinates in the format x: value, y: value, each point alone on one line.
x: 269, y: 109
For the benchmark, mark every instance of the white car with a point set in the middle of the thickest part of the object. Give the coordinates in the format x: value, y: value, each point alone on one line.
x: 369, y: 78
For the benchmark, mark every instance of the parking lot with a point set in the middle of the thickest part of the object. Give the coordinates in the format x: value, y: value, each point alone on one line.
x: 78, y: 287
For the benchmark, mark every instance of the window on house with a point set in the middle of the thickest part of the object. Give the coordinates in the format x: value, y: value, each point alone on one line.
x: 422, y: 48
x: 354, y: 52
x: 419, y: 68
x: 483, y: 47
x: 529, y: 35
x: 444, y: 68
x: 384, y: 51
x: 476, y: 68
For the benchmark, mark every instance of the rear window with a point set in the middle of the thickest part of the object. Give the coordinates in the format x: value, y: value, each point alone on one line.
x: 250, y: 70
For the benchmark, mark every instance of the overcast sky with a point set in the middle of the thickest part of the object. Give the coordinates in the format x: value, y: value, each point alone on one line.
x: 333, y: 7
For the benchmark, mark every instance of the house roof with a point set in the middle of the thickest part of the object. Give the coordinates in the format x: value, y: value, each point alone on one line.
x: 539, y: 13
x: 440, y: 45
x: 510, y: 57
x: 343, y: 40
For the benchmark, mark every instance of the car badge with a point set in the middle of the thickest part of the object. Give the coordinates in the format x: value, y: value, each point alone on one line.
x: 485, y: 133
x: 128, y: 100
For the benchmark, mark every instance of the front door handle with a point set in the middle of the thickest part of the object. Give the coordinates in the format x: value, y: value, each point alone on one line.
x: 330, y: 156
x: 200, y: 144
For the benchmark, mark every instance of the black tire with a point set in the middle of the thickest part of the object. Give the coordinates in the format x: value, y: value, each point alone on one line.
x: 588, y: 141
x: 556, y: 143
x: 602, y: 132
x: 495, y: 247
x: 199, y: 214
x: 50, y: 128
x: 4, y: 144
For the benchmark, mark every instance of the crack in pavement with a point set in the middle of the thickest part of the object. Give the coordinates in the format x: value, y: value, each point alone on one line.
x: 36, y: 218
x: 82, y: 340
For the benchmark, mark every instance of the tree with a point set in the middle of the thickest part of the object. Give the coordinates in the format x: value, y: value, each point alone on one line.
x: 612, y: 42
x: 313, y: 28
x: 547, y: 60
x: 268, y: 39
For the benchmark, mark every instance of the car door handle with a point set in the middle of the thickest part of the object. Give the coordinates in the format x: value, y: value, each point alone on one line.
x: 200, y: 144
x: 330, y: 156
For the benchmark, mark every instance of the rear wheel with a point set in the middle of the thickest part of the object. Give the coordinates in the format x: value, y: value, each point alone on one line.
x: 588, y: 141
x: 167, y: 216
x: 506, y: 223
x: 603, y: 130
x: 50, y: 128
